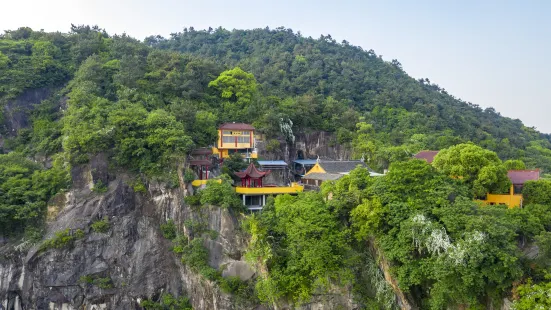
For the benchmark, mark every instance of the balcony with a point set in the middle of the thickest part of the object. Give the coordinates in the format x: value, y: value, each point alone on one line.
x: 293, y: 189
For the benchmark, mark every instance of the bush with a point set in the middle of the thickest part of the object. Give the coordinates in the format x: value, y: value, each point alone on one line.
x: 101, y: 226
x: 189, y: 176
x: 138, y: 186
x: 99, y: 187
x: 167, y: 301
x: 273, y: 145
x: 103, y: 283
x: 193, y: 200
x: 231, y: 285
x: 221, y: 194
x: 537, y: 192
x: 62, y: 239
x: 169, y: 230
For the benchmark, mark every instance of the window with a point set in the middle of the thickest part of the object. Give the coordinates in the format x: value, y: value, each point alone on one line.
x: 226, y: 132
x: 244, y: 139
x: 229, y: 139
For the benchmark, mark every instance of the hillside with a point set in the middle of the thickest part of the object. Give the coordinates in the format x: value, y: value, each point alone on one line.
x: 317, y: 85
x: 97, y: 209
x: 399, y: 107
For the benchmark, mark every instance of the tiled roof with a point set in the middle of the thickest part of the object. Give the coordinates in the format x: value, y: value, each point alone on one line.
x: 341, y: 166
x: 323, y: 176
x: 252, y: 172
x: 200, y: 162
x: 236, y: 126
x: 521, y: 176
x: 202, y: 151
x: 305, y: 161
x: 426, y: 155
x: 272, y: 163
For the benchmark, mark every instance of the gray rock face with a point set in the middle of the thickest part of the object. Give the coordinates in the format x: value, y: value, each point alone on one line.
x: 132, y: 257
x: 16, y: 112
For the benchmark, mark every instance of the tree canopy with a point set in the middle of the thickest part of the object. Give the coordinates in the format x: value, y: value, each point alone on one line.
x: 481, y: 169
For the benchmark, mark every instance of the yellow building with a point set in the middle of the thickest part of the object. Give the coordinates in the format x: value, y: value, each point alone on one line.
x: 235, y: 138
x: 253, y: 190
x: 331, y: 170
x: 514, y: 198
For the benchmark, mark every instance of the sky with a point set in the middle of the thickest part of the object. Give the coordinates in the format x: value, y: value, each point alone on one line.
x: 489, y: 52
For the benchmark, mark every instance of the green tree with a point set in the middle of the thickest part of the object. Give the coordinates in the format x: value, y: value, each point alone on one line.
x: 25, y: 188
x: 481, y: 169
x: 238, y: 88
x: 533, y: 296
x: 537, y: 192
x: 306, y: 248
x: 514, y: 164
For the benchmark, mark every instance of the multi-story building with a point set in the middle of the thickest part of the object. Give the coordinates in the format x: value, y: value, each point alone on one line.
x: 235, y: 138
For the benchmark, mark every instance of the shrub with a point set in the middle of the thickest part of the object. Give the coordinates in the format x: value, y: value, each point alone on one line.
x: 62, y: 239
x: 99, y: 187
x: 169, y: 230
x: 189, y: 176
x: 138, y: 186
x: 167, y: 301
x: 103, y: 283
x: 101, y: 226
x: 193, y: 200
x: 273, y: 145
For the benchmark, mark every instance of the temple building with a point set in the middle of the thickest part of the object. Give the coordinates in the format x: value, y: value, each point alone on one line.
x: 427, y: 156
x: 200, y: 162
x: 514, y: 198
x: 327, y: 170
x: 235, y: 138
x: 253, y: 190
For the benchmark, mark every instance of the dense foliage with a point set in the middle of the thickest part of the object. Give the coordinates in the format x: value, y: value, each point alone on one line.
x: 25, y: 188
x: 145, y: 105
x: 441, y: 247
x: 303, y: 246
x: 283, y: 83
x: 325, y: 85
x: 480, y: 169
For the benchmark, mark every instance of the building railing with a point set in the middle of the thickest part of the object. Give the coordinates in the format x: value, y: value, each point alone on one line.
x: 293, y: 189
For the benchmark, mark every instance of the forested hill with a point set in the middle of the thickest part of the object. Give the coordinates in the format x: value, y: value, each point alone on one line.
x: 399, y: 107
x: 272, y: 78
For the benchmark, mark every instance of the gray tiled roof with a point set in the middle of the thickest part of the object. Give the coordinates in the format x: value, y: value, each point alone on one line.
x: 323, y: 176
x: 341, y: 166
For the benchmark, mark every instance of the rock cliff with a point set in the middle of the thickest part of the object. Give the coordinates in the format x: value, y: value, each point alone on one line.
x: 132, y: 253
x: 132, y: 257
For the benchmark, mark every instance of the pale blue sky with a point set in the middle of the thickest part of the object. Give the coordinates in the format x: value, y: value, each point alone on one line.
x: 491, y: 53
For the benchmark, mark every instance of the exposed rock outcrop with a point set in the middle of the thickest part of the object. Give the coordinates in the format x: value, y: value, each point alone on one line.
x: 133, y: 258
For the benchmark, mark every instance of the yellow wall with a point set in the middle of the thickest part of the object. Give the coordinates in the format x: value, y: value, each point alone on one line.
x: 511, y: 200
x: 224, y: 153
x: 198, y: 183
x: 316, y: 169
x: 293, y: 189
